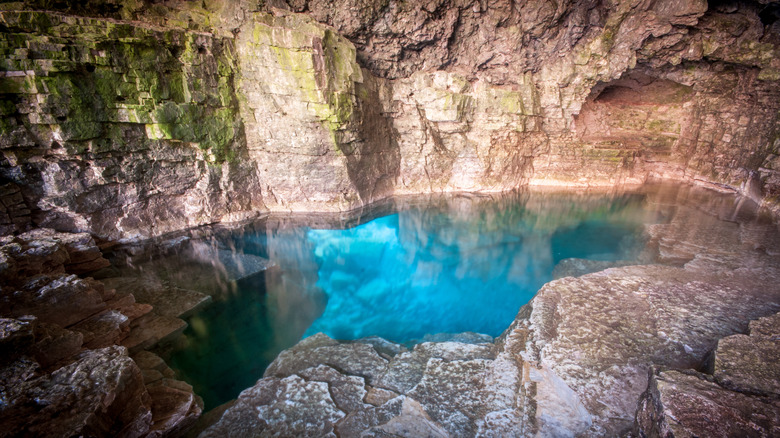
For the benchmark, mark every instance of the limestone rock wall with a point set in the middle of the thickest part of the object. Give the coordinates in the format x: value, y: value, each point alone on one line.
x: 490, y: 95
x: 120, y: 129
x: 155, y: 117
x: 311, y: 119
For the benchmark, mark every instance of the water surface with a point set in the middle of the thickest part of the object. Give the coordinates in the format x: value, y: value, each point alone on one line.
x: 421, y: 267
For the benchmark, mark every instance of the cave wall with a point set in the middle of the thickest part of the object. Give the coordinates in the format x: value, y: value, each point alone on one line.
x: 121, y: 129
x: 157, y: 116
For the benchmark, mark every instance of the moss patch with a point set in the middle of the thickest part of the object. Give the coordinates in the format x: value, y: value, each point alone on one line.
x: 93, y: 75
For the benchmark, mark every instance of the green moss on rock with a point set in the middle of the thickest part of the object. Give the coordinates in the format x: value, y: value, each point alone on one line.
x: 93, y: 77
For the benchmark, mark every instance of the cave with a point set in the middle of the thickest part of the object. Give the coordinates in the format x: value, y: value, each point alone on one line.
x: 349, y: 218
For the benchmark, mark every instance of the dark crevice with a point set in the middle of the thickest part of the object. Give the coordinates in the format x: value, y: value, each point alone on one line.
x: 770, y: 14
x: 723, y: 6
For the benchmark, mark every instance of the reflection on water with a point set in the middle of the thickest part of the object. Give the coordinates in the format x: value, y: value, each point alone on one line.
x: 447, y: 264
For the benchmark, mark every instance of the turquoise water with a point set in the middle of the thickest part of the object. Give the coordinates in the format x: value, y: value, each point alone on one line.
x: 443, y: 265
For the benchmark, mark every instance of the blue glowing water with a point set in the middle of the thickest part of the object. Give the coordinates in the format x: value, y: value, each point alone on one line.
x: 382, y: 280
x: 452, y: 265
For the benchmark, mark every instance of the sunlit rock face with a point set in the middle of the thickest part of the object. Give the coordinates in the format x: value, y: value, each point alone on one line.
x: 180, y: 114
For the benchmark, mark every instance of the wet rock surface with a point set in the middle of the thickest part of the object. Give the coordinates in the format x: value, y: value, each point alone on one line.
x: 63, y: 372
x: 738, y: 397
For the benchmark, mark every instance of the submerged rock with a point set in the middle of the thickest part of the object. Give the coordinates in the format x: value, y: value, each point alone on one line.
x: 167, y: 300
x: 579, y: 267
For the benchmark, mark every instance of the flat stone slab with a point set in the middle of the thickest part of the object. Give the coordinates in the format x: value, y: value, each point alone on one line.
x: 751, y: 363
x: 159, y: 329
x: 166, y: 300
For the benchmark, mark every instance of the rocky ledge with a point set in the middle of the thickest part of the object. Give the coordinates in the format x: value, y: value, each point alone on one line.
x: 636, y: 350
x: 65, y: 367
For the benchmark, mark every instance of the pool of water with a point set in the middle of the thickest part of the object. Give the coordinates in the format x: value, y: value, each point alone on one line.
x: 417, y: 268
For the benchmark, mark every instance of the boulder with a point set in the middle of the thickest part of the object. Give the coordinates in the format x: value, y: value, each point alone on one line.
x: 683, y: 404
x: 590, y: 341
x: 354, y: 358
x: 749, y: 364
x: 100, y: 394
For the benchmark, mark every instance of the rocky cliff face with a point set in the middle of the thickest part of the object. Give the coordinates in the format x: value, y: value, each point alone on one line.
x: 148, y: 118
x: 121, y: 129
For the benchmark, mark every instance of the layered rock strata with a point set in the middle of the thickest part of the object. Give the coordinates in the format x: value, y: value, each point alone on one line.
x: 63, y: 371
x: 122, y: 129
x: 153, y: 118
